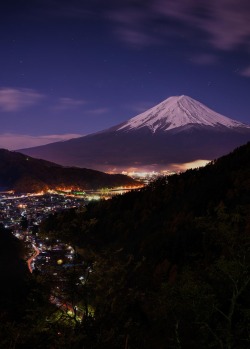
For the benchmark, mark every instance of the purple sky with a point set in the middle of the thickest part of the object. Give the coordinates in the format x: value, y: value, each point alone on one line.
x: 69, y: 68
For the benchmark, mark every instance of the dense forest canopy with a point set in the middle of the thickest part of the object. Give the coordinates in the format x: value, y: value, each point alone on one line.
x: 169, y: 262
x: 173, y: 255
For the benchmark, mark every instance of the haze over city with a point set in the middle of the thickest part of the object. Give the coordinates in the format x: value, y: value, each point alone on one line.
x: 70, y: 68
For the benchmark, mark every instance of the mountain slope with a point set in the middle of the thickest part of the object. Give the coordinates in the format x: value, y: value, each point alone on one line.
x: 175, y: 256
x: 178, y: 130
x: 178, y: 113
x: 26, y: 174
x: 225, y: 181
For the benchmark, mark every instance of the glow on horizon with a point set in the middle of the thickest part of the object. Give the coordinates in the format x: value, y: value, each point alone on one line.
x: 189, y: 165
x: 154, y: 170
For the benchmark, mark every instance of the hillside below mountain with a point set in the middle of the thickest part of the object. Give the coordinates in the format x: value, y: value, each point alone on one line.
x: 25, y: 174
x: 170, y: 261
x: 176, y: 131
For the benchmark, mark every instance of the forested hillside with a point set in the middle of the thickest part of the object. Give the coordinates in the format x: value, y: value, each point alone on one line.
x: 25, y: 174
x: 171, y: 261
x: 165, y: 267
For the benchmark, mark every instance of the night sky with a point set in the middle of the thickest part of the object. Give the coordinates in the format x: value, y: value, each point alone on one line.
x: 75, y: 67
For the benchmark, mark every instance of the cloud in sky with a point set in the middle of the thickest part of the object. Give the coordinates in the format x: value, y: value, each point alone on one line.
x: 12, y: 99
x: 226, y: 22
x: 204, y: 59
x: 246, y: 72
x: 135, y: 37
x: 130, y: 26
x: 97, y: 111
x: 13, y: 141
x: 68, y: 103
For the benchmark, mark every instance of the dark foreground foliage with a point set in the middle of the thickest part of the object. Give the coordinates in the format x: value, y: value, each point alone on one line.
x: 170, y: 263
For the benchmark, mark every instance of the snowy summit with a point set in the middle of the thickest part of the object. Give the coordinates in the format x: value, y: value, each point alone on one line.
x: 179, y: 112
x: 179, y: 130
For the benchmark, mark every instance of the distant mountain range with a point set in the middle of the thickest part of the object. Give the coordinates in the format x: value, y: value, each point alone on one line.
x: 25, y: 174
x: 178, y: 130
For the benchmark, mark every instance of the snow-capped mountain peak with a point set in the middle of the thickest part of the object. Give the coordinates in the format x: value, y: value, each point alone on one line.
x: 153, y: 140
x: 179, y: 112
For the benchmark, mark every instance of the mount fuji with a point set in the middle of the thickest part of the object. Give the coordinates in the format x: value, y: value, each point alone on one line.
x: 177, y: 130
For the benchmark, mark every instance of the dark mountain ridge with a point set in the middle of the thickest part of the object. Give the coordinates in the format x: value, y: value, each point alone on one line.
x: 23, y: 173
